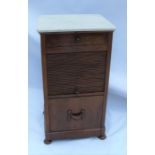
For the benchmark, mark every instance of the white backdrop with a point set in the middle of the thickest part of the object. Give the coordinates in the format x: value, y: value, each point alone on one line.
x: 115, y: 144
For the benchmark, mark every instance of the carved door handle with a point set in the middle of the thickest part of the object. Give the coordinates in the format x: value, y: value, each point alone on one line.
x: 75, y: 116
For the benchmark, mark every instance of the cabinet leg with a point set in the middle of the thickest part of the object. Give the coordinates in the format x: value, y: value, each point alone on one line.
x: 47, y: 141
x: 102, y: 137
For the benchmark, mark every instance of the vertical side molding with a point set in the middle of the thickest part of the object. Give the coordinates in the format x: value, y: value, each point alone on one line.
x: 44, y: 76
x: 108, y: 60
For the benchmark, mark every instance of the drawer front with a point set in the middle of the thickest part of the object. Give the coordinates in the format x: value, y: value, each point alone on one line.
x: 75, y: 39
x: 72, y: 73
x: 75, y: 113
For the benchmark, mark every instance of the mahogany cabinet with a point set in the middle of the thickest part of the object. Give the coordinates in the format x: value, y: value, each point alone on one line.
x: 76, y: 52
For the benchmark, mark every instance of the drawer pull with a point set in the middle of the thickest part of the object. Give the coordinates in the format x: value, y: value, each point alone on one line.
x: 77, y: 38
x: 76, y: 91
x: 75, y: 116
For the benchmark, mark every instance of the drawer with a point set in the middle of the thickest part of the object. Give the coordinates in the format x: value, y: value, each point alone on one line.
x: 75, y: 113
x: 76, y: 39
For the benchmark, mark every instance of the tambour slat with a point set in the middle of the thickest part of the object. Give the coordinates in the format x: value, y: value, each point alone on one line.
x: 69, y: 73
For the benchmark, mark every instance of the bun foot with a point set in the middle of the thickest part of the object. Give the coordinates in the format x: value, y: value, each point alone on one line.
x: 46, y: 141
x: 102, y: 137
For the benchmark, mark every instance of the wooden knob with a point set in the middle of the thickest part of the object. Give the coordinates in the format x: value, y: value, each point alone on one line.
x: 76, y: 91
x: 77, y: 38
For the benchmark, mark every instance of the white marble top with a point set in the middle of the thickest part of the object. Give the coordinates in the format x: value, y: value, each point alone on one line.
x: 79, y: 22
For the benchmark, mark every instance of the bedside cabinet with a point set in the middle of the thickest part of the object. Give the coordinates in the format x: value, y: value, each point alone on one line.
x: 76, y: 51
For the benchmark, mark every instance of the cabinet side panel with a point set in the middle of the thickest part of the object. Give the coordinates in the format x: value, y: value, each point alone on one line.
x: 108, y: 59
x: 44, y: 76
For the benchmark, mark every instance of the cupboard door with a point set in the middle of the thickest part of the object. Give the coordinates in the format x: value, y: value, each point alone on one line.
x: 75, y: 113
